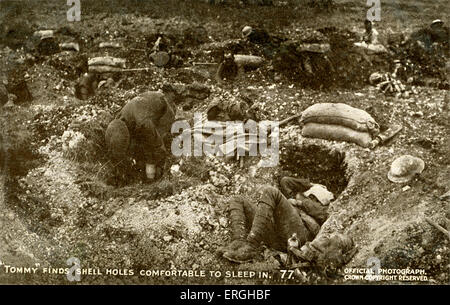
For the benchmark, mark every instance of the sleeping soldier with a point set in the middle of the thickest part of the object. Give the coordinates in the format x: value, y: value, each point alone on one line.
x: 275, y: 219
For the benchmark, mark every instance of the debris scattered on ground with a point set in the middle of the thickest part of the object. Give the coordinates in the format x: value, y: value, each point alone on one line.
x: 71, y: 46
x: 431, y: 222
x: 109, y: 45
x: 386, y: 135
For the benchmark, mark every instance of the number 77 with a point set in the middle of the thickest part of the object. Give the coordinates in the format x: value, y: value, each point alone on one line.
x: 290, y: 273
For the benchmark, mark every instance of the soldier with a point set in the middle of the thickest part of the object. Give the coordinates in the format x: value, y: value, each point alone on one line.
x: 439, y: 33
x: 276, y: 219
x: 139, y: 130
x: 86, y: 86
x: 371, y: 35
x: 370, y: 41
x: 256, y: 35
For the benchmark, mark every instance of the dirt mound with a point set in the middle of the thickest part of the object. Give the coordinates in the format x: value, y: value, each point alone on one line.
x: 316, y: 163
x: 342, y: 66
x: 14, y: 29
x: 423, y: 66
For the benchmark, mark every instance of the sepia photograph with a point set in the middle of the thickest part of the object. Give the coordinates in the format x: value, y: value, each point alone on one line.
x: 224, y: 142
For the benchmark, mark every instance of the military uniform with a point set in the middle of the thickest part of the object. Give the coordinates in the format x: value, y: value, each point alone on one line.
x: 275, y: 218
x: 144, y: 122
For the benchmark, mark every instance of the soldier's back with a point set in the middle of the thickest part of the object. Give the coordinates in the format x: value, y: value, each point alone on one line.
x: 149, y: 105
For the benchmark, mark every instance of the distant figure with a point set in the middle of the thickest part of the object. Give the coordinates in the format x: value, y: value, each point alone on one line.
x: 86, y: 86
x: 139, y: 130
x: 370, y: 39
x: 228, y: 69
x: 260, y: 36
x: 435, y: 33
x: 439, y: 33
x: 255, y: 35
x: 371, y: 35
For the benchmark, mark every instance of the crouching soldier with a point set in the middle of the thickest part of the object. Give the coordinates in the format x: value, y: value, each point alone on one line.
x: 276, y: 219
x: 86, y: 86
x: 138, y: 131
x: 370, y: 42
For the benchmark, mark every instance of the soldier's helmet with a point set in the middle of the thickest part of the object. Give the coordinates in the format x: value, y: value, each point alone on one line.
x: 437, y: 22
x: 117, y: 139
x: 246, y: 31
x: 404, y: 168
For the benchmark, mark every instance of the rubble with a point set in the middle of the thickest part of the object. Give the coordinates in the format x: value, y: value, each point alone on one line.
x: 103, y: 45
x: 160, y: 59
x: 3, y: 95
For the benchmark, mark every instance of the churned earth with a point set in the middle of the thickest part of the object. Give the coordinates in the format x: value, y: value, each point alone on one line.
x: 56, y: 202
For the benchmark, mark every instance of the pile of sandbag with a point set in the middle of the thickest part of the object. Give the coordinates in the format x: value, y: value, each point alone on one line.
x: 339, y: 122
x: 106, y: 64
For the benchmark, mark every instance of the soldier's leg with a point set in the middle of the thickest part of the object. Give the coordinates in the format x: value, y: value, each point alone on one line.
x: 240, y: 209
x: 241, y: 214
x: 290, y: 186
x: 276, y: 214
x: 274, y: 222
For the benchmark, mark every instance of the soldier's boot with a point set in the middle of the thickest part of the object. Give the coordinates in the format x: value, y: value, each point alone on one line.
x: 240, y: 250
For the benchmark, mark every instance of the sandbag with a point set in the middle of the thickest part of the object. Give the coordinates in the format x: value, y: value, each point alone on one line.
x: 341, y: 114
x: 249, y: 61
x: 336, y: 133
x: 103, y: 69
x: 371, y: 48
x: 107, y: 61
